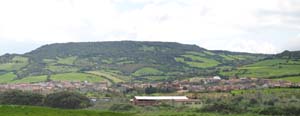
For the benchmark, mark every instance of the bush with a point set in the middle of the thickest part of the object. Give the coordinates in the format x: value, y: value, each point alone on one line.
x: 288, y: 110
x: 222, y: 108
x: 17, y: 97
x: 122, y: 107
x: 67, y: 100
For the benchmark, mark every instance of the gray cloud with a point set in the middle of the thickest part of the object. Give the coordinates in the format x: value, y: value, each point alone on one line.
x: 215, y: 24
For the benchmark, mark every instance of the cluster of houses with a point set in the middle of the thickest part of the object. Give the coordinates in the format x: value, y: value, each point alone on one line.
x: 52, y: 86
x: 192, y: 85
x: 213, y: 84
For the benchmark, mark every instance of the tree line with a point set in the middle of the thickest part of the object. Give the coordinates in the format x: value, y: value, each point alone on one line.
x: 64, y: 99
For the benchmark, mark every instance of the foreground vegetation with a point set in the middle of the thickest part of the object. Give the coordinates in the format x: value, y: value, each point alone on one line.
x: 64, y: 99
x: 43, y: 111
x: 276, y: 101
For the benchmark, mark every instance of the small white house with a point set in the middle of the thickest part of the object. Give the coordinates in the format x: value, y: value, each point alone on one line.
x: 217, y: 77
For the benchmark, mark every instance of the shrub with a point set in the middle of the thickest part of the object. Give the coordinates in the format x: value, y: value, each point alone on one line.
x: 67, y: 100
x: 287, y: 110
x: 253, y: 101
x: 122, y: 107
x: 222, y: 107
x: 17, y: 97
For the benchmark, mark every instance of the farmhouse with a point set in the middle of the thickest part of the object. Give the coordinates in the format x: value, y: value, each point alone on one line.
x: 156, y: 100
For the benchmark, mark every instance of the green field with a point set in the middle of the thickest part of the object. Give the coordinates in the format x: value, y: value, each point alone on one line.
x: 43, y: 111
x: 292, y: 79
x: 32, y: 79
x: 61, y: 69
x: 285, y: 91
x: 272, y: 68
x: 9, y: 78
x: 6, y: 78
x: 154, y: 78
x: 67, y: 61
x: 197, y: 61
x: 111, y: 77
x: 76, y: 77
x: 176, y: 113
x: 147, y: 71
x: 16, y: 63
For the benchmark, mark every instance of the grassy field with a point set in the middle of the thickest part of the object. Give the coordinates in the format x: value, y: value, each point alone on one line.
x: 59, y: 69
x: 77, y: 77
x: 285, y: 91
x: 147, y: 71
x: 68, y: 60
x: 43, y: 111
x: 156, y: 78
x: 111, y: 77
x: 292, y: 79
x: 16, y: 63
x: 6, y: 78
x: 176, y: 113
x: 197, y: 61
x: 32, y: 79
x: 268, y: 69
x: 9, y: 78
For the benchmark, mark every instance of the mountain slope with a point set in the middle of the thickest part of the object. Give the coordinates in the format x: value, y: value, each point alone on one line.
x: 285, y: 65
x: 144, y: 61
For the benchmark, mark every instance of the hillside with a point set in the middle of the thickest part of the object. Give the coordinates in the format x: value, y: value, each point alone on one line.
x: 121, y: 60
x: 285, y: 66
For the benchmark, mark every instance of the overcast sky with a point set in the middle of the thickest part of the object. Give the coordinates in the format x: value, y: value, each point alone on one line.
x: 257, y: 26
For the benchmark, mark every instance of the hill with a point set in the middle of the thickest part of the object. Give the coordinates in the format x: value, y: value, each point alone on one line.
x: 285, y: 66
x: 121, y: 60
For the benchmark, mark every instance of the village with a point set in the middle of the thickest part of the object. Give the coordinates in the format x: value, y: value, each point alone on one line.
x: 211, y: 84
x: 54, y: 86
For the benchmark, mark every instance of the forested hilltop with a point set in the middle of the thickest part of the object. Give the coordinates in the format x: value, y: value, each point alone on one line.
x: 120, y: 60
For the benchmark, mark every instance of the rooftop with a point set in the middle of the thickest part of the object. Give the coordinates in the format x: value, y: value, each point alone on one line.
x: 161, y: 97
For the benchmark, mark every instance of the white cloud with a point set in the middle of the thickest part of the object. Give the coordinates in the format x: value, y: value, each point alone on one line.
x: 293, y: 43
x: 202, y: 22
x: 251, y: 46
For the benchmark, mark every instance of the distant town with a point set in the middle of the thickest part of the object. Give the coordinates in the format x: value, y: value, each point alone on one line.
x: 211, y: 84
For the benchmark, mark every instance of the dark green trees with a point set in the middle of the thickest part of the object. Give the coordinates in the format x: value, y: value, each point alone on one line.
x: 67, y: 100
x: 21, y: 98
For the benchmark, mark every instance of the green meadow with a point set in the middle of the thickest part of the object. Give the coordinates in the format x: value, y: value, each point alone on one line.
x: 197, y: 61
x: 16, y: 63
x: 12, y: 110
x: 292, y: 78
x: 10, y: 78
x: 147, y: 71
x: 76, y: 77
x: 43, y: 111
x: 67, y: 61
x: 114, y: 78
x: 31, y: 79
x: 284, y: 69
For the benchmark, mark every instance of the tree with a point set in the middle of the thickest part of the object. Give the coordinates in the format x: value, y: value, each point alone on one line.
x: 67, y: 100
x: 17, y: 97
x: 150, y: 90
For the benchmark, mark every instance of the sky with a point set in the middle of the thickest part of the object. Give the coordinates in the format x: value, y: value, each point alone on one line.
x: 255, y: 26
